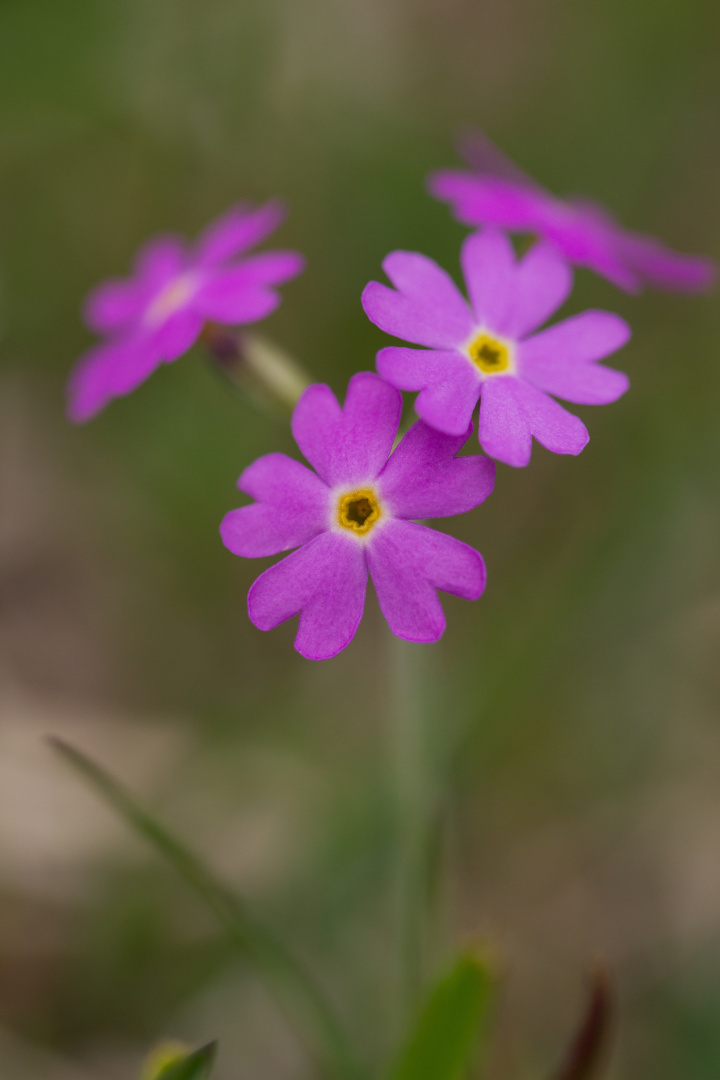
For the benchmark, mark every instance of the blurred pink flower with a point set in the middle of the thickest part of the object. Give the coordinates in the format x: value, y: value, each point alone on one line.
x: 158, y: 313
x: 486, y: 349
x: 498, y: 193
x: 351, y: 517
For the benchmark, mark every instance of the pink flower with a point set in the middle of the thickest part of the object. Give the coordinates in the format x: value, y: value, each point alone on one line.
x: 352, y: 517
x: 498, y: 193
x: 157, y: 314
x: 486, y: 350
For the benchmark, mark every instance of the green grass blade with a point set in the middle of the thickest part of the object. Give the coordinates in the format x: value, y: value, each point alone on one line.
x: 194, y: 1066
x: 296, y: 991
x: 445, y: 1034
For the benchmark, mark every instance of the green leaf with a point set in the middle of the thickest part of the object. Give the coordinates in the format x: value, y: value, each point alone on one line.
x: 194, y: 1066
x: 444, y: 1037
x: 302, y: 1000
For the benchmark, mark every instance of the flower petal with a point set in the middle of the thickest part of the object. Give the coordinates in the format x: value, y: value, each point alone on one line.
x: 407, y: 563
x: 325, y: 580
x: 260, y: 529
x: 543, y: 281
x: 414, y: 369
x: 241, y: 228
x: 586, y: 337
x: 108, y: 371
x: 553, y: 426
x: 490, y: 201
x: 292, y: 508
x: 371, y: 417
x: 449, y: 384
x: 89, y: 387
x: 315, y: 423
x: 177, y: 335
x: 350, y: 445
x: 665, y: 269
x: 504, y: 426
x: 230, y: 297
x: 421, y: 279
x: 159, y: 260
x: 272, y: 267
x: 560, y: 360
x: 428, y: 309
x: 583, y: 384
x: 403, y: 318
x: 424, y: 479
x: 485, y: 158
x: 488, y: 263
x: 277, y: 478
x: 511, y: 411
x: 113, y: 305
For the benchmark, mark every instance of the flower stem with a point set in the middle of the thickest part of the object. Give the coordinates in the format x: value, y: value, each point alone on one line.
x: 415, y: 800
x: 253, y: 363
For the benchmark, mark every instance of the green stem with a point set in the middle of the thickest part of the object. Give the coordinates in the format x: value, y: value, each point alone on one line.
x: 415, y: 799
x: 268, y: 374
x: 298, y: 994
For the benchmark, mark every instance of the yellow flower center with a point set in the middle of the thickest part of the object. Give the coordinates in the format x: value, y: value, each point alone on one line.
x: 170, y: 299
x: 490, y: 355
x: 359, y: 511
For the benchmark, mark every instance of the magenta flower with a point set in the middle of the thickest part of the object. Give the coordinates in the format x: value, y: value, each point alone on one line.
x: 352, y: 516
x: 483, y: 350
x: 498, y: 193
x: 156, y: 315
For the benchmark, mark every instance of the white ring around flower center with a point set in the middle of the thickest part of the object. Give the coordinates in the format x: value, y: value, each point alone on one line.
x: 171, y: 298
x: 489, y: 353
x: 357, y: 510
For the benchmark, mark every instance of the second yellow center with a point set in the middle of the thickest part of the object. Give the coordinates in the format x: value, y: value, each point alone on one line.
x: 490, y: 355
x: 358, y: 511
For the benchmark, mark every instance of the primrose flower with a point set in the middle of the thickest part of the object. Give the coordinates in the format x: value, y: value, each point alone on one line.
x: 352, y: 516
x: 157, y: 314
x: 483, y: 350
x: 498, y: 193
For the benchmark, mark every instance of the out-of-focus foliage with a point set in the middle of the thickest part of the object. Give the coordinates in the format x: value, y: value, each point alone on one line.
x: 577, y: 702
x: 444, y: 1037
x: 294, y: 989
x: 175, y: 1065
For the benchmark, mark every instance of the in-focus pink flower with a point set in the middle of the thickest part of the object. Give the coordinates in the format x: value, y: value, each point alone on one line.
x: 486, y: 349
x: 158, y: 313
x: 352, y: 516
x: 498, y: 193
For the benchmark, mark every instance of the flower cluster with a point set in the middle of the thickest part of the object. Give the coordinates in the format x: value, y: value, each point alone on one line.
x: 357, y: 511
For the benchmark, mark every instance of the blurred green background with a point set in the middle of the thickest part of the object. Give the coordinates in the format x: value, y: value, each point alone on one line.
x: 582, y: 691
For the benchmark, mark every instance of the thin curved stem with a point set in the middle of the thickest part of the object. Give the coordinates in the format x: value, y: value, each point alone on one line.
x: 414, y: 782
x: 300, y: 997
